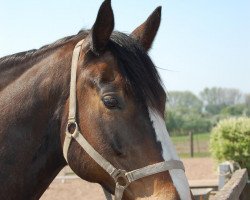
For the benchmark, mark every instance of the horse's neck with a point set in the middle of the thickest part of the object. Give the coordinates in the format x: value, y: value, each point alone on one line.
x: 30, y: 113
x: 10, y: 74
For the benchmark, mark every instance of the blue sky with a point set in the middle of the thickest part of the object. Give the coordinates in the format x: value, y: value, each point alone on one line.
x: 201, y: 44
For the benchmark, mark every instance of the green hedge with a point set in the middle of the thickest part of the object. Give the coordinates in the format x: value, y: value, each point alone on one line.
x: 230, y: 140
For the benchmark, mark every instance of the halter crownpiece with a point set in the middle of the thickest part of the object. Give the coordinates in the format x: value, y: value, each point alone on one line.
x: 121, y: 177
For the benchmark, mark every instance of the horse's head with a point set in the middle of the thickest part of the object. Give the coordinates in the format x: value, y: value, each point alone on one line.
x: 120, y: 110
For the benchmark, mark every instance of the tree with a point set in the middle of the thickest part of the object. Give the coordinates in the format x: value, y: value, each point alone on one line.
x: 184, y: 113
x: 247, y: 103
x: 184, y: 101
x: 234, y: 110
x: 247, y: 100
x: 215, y: 99
x: 174, y: 122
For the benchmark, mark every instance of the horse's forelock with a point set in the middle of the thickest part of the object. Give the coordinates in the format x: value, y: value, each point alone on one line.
x: 137, y: 68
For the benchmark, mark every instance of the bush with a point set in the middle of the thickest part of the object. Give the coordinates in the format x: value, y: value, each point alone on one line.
x: 230, y: 140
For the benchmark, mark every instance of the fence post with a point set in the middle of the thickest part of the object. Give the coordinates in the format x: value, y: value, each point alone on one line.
x: 191, y: 139
x: 224, y: 174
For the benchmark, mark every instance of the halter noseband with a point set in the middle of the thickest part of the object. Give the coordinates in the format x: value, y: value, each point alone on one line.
x: 121, y: 177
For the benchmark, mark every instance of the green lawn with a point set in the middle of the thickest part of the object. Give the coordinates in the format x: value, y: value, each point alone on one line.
x: 184, y: 138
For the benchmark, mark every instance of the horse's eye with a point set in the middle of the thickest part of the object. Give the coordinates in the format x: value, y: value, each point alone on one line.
x: 110, y: 102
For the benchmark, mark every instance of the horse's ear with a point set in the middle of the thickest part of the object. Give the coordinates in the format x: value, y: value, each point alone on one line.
x: 146, y: 32
x: 102, y: 28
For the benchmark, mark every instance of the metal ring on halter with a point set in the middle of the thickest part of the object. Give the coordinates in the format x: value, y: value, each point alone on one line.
x: 121, y: 178
x: 76, y: 129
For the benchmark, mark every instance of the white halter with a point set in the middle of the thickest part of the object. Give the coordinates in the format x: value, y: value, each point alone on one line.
x: 121, y: 177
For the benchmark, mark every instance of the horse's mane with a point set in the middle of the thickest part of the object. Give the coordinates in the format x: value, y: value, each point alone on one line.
x: 136, y: 67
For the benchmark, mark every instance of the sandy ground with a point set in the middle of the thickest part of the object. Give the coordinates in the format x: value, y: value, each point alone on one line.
x: 196, y: 169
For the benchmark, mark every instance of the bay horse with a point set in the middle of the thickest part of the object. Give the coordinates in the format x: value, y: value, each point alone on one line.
x: 106, y: 83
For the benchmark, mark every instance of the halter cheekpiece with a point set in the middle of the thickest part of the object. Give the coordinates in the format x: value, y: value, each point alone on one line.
x: 121, y: 177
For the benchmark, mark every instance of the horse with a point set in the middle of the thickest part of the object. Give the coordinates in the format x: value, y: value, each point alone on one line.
x: 93, y: 101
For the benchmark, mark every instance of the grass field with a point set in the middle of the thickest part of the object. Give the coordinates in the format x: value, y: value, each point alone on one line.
x: 201, y: 145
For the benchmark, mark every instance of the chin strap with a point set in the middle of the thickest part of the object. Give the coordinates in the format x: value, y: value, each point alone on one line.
x: 121, y: 177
